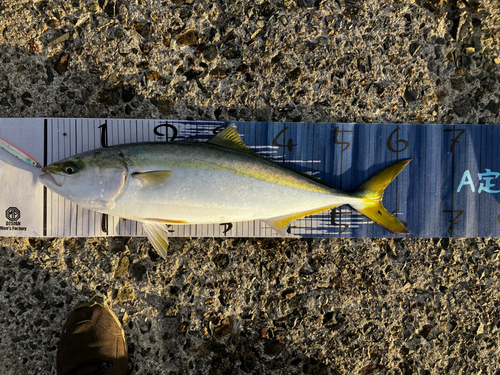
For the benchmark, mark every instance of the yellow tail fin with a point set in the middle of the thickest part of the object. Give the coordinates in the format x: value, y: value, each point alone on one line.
x: 372, y: 192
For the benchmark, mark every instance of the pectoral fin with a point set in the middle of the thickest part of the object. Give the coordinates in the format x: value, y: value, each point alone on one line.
x: 152, y: 178
x: 280, y: 223
x: 158, y: 236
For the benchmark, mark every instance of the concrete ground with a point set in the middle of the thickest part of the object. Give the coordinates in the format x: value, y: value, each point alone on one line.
x: 257, y: 306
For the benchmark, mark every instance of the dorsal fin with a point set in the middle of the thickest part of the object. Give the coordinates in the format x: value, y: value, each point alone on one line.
x: 230, y: 138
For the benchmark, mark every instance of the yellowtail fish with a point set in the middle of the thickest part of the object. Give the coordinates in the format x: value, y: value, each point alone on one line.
x: 217, y: 181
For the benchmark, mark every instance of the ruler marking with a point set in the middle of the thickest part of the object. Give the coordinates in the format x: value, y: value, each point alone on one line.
x: 45, y: 150
x: 397, y: 179
x: 481, y: 164
x: 420, y: 179
x: 366, y: 227
x: 451, y: 228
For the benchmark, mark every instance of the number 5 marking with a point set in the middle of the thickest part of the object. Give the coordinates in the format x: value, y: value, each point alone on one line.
x: 345, y: 145
x: 333, y: 214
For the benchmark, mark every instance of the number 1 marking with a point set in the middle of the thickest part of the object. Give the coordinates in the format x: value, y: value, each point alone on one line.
x: 104, y: 136
x: 104, y: 223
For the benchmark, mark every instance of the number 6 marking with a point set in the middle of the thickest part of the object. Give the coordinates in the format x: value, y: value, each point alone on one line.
x: 403, y: 141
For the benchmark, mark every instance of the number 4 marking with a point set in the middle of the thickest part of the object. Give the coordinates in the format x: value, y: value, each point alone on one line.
x: 289, y: 145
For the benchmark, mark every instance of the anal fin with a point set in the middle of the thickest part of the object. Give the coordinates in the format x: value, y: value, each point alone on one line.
x: 280, y: 223
x: 158, y: 236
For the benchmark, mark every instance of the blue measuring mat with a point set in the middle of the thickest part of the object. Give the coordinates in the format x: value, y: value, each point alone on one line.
x: 450, y: 189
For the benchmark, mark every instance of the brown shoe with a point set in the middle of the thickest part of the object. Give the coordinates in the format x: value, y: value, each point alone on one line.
x: 92, y: 343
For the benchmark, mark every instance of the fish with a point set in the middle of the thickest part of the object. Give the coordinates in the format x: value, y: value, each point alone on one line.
x: 217, y: 181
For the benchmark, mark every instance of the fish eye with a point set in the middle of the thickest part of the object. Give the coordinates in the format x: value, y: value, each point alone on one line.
x: 70, y: 168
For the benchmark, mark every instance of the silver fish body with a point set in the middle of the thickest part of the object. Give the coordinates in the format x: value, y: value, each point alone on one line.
x: 210, y: 184
x: 217, y: 181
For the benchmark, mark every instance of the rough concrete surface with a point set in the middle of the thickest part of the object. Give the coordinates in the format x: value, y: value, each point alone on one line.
x: 257, y: 306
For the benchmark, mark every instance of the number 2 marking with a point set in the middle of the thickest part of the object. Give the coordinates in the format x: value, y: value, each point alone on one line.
x: 167, y: 126
x: 227, y: 227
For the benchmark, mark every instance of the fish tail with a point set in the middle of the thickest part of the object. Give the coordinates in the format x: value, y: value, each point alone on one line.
x: 371, y: 194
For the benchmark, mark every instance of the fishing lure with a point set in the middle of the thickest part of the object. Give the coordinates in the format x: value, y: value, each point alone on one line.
x: 13, y: 150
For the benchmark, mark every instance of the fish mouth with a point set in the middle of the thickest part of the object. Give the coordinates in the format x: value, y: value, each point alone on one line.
x: 48, y: 178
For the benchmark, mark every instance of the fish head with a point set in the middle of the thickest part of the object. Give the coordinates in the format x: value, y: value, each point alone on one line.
x: 92, y: 179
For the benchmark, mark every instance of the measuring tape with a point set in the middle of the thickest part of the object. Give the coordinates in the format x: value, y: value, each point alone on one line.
x: 450, y: 189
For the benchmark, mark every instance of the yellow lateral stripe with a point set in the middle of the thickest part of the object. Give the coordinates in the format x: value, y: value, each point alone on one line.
x: 245, y: 163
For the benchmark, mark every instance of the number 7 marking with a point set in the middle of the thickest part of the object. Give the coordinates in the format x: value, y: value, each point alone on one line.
x: 453, y: 220
x: 454, y: 140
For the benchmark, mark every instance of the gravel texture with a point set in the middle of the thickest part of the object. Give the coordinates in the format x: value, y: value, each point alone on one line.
x: 257, y: 306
